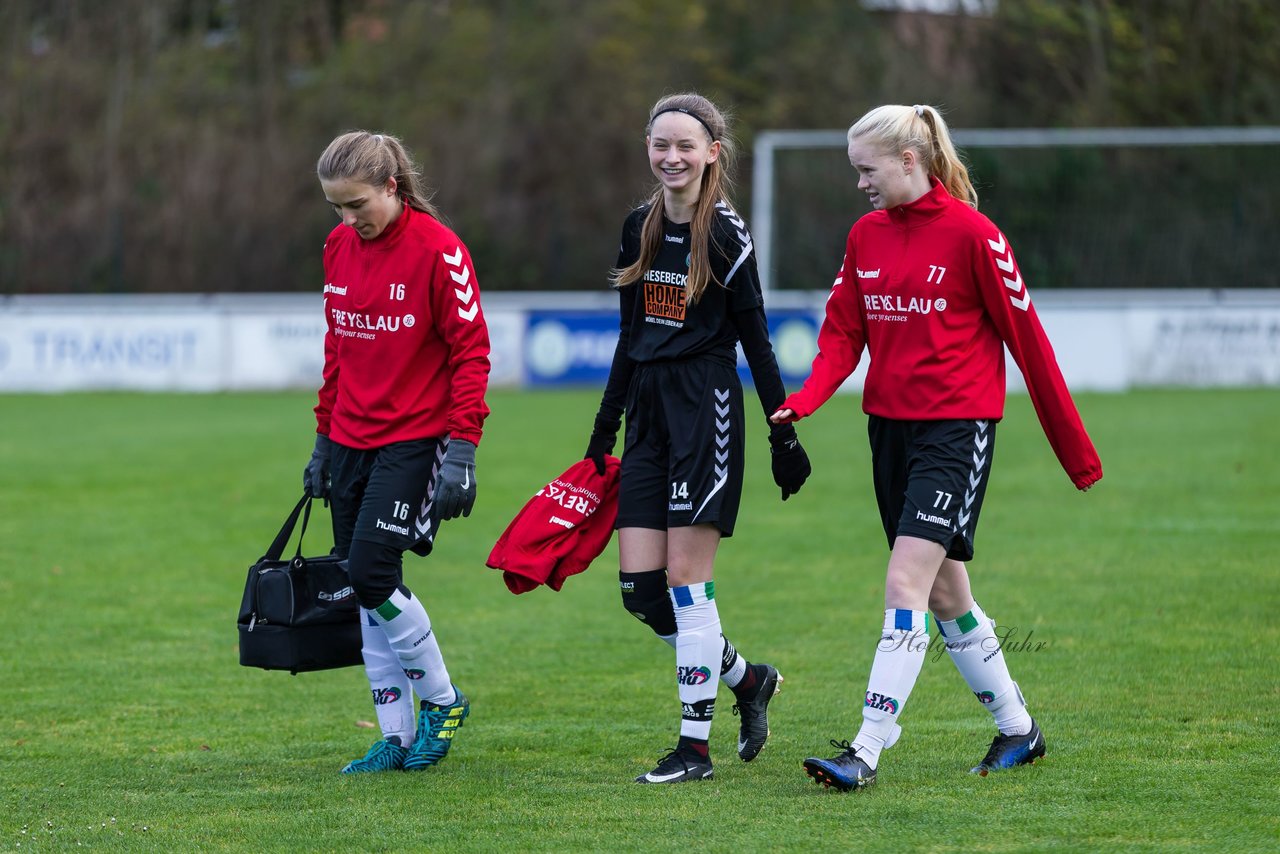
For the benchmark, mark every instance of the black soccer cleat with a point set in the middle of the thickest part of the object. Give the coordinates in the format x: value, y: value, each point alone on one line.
x: 679, y: 766
x: 754, y: 729
x: 844, y: 772
x: 1010, y: 751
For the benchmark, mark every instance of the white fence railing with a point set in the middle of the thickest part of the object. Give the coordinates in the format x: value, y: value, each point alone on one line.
x: 1105, y: 340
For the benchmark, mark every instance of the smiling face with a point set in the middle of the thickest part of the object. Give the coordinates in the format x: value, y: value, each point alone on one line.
x: 679, y: 151
x: 367, y: 208
x: 887, y: 178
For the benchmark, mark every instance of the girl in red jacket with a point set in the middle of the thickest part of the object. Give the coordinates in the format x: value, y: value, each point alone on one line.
x: 406, y: 366
x: 931, y: 288
x: 688, y: 293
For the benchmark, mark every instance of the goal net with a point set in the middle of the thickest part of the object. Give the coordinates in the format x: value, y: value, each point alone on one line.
x: 1083, y: 208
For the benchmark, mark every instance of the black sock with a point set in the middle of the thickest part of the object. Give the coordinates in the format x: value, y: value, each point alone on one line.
x: 746, y: 689
x: 697, y: 745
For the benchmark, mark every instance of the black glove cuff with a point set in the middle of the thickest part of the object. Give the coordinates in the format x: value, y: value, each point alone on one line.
x: 782, y: 437
x: 460, y: 451
x: 606, y: 426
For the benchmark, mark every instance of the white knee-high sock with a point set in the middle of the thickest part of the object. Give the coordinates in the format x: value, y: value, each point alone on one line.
x: 899, y: 657
x: 390, y: 687
x: 699, y: 648
x: 979, y: 656
x: 408, y: 631
x: 733, y: 665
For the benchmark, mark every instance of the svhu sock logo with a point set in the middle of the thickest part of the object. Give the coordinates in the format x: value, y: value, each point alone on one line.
x: 414, y: 673
x: 985, y: 697
x: 692, y: 675
x: 881, y: 702
x: 383, y: 696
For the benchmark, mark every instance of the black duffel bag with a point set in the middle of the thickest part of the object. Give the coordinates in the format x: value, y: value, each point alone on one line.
x: 299, y: 613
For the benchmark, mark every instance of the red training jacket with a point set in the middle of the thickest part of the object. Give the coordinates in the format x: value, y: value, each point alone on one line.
x: 560, y: 530
x: 406, y: 354
x: 932, y: 289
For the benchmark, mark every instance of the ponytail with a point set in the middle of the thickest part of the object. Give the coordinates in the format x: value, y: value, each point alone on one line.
x: 896, y: 128
x: 374, y: 159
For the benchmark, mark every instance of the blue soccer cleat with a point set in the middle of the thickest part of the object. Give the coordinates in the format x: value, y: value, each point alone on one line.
x: 844, y: 772
x: 436, y: 728
x: 1010, y: 751
x: 385, y: 755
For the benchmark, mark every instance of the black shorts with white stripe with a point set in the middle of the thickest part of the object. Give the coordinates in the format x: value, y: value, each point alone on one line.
x: 382, y: 495
x: 683, y: 455
x: 930, y: 478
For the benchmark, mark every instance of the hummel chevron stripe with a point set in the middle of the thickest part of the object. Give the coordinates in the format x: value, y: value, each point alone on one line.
x: 466, y: 294
x: 1004, y: 260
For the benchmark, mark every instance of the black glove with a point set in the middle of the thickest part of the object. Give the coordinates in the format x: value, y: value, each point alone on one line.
x: 455, y: 492
x: 315, y: 478
x: 790, y: 463
x: 603, y: 437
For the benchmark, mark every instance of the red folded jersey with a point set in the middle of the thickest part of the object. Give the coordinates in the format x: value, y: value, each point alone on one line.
x: 560, y: 530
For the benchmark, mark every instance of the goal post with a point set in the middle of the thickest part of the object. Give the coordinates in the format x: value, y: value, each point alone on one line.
x: 1217, y: 229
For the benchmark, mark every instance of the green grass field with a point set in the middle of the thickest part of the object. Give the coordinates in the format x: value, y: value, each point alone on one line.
x: 1147, y: 607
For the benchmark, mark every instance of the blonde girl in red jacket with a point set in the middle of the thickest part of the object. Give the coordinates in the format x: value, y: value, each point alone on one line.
x: 931, y: 289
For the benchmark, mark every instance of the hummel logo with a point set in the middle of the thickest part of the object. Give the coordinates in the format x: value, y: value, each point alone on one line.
x: 733, y: 217
x: 1004, y: 260
x: 467, y: 308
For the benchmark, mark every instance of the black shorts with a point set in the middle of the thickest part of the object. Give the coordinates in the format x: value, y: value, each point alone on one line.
x: 683, y: 455
x: 930, y: 478
x: 383, y: 495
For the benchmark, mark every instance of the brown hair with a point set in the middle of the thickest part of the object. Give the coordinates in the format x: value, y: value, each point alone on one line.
x: 374, y: 158
x: 896, y: 127
x: 714, y: 189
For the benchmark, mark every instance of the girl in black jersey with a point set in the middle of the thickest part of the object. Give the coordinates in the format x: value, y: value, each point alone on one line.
x: 688, y: 293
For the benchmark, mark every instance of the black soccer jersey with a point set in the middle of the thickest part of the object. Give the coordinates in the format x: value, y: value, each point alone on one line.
x: 658, y: 325
x: 658, y: 322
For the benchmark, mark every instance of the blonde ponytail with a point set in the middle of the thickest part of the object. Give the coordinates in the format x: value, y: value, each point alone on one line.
x: 896, y: 128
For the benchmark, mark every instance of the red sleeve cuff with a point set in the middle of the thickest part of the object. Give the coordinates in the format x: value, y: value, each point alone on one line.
x: 796, y: 403
x: 466, y: 436
x: 1087, y: 479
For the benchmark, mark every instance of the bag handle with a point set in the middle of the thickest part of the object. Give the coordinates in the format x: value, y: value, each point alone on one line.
x: 286, y: 531
x: 302, y: 532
